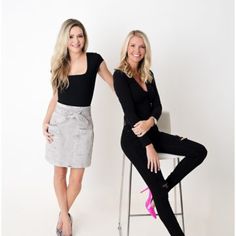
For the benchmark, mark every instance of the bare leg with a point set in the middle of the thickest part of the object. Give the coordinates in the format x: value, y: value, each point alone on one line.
x: 72, y: 191
x: 75, y: 183
x: 61, y: 193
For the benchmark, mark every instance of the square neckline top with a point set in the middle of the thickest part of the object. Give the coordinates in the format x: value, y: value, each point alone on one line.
x: 86, y: 71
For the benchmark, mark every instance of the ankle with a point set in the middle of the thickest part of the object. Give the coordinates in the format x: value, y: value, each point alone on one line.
x: 64, y: 214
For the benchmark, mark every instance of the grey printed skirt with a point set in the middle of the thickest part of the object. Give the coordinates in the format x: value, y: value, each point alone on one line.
x: 72, y: 130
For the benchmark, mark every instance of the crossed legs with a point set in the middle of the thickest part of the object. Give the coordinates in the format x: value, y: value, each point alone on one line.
x: 194, y: 154
x: 66, y: 194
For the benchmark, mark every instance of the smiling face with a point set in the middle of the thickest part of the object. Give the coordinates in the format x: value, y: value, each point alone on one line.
x: 136, y: 51
x: 76, y: 40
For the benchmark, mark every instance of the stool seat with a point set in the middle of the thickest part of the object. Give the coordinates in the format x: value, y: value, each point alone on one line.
x: 167, y: 156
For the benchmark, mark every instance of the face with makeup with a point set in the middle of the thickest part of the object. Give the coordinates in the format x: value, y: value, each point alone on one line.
x: 76, y: 40
x: 136, y: 51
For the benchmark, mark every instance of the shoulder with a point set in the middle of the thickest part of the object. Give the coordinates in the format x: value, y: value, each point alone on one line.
x: 153, y: 77
x: 94, y: 60
x: 121, y: 80
x: 152, y: 74
x: 94, y: 55
x: 118, y: 74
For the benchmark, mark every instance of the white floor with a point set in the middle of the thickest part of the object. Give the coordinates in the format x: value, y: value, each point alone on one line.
x: 97, y: 218
x: 31, y: 210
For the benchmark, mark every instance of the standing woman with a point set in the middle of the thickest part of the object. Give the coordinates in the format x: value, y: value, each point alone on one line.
x: 68, y: 125
x: 141, y: 140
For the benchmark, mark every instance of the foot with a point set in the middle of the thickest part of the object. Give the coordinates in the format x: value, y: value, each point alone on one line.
x: 59, y: 225
x: 150, y: 205
x: 151, y: 210
x: 153, y: 204
x: 66, y: 226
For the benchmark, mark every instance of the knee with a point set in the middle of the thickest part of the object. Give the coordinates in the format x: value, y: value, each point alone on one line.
x: 59, y: 178
x: 75, y: 180
x: 60, y: 174
x: 201, y: 153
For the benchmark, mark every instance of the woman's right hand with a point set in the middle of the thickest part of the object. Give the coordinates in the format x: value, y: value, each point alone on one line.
x: 48, y: 136
x: 153, y: 162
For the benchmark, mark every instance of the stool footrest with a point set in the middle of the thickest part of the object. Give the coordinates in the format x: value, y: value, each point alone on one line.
x: 134, y: 215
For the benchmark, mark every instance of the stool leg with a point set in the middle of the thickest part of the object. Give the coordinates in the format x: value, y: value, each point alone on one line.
x: 181, y: 205
x: 121, y: 195
x: 181, y: 202
x: 129, y: 204
x: 175, y: 192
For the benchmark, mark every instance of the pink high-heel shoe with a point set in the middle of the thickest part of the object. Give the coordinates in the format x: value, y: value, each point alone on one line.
x: 149, y: 206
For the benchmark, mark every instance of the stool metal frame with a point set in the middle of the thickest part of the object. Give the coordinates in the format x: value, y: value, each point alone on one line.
x: 181, y: 213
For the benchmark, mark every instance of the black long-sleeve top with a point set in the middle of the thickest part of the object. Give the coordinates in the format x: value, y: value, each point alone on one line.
x: 137, y: 104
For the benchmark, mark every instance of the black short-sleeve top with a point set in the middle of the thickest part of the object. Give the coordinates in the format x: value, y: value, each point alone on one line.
x: 81, y: 87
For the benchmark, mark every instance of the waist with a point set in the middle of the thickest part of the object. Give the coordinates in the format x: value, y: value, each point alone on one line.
x: 128, y: 128
x: 69, y: 110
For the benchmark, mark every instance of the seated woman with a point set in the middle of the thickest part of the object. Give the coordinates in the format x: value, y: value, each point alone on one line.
x: 141, y: 140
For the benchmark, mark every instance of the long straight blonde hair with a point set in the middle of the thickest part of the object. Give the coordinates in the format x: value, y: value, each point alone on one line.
x: 144, y: 65
x: 60, y: 63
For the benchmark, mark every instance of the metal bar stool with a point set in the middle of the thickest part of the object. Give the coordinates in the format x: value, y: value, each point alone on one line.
x: 164, y: 125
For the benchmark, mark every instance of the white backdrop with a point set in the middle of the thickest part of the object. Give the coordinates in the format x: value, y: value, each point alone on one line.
x: 192, y: 47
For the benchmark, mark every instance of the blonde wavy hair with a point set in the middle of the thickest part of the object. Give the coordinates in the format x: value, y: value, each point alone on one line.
x: 144, y: 65
x: 60, y: 62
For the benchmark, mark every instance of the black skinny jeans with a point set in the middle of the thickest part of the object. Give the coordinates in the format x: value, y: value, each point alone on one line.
x: 194, y: 154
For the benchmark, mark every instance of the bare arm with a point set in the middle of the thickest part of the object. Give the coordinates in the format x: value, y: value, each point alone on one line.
x: 46, y: 121
x: 106, y: 74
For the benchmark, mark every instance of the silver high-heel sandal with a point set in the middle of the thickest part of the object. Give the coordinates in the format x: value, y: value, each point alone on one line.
x: 58, y: 232
x: 70, y: 222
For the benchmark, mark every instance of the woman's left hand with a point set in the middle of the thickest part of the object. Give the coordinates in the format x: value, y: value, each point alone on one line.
x: 142, y: 127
